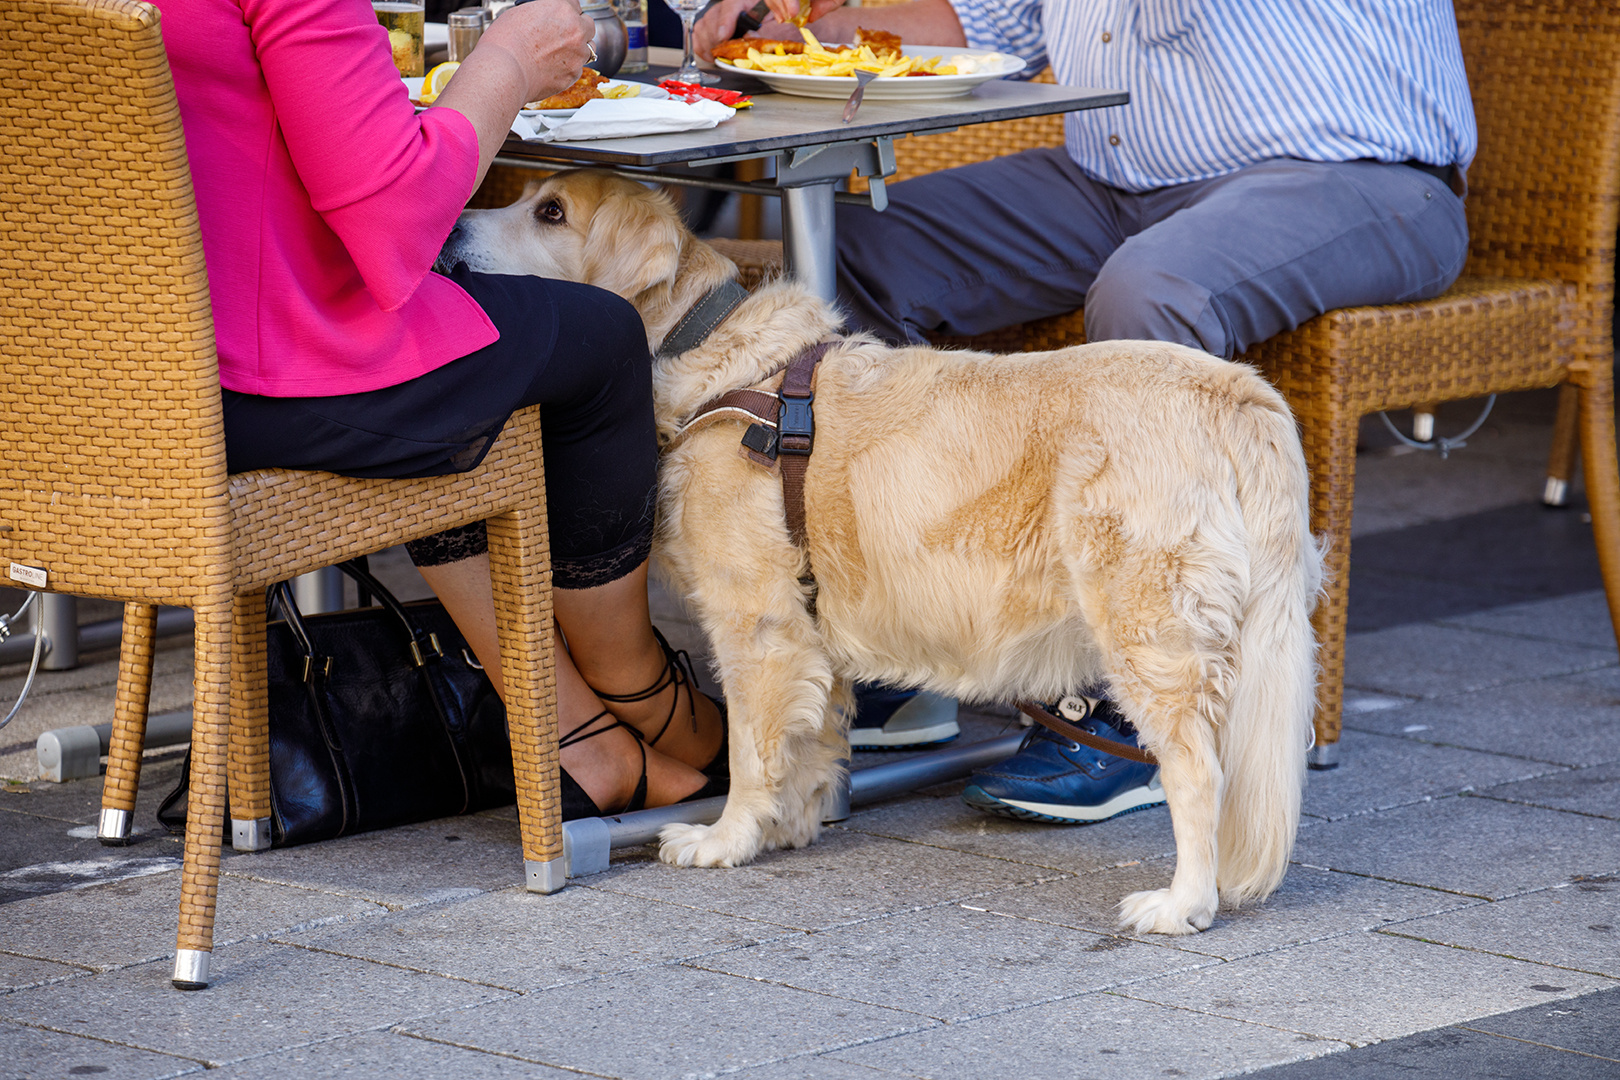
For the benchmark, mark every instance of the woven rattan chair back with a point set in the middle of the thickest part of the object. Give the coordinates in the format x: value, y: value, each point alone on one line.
x: 109, y: 388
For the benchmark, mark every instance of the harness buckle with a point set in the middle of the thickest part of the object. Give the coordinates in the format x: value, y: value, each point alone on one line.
x: 796, y: 427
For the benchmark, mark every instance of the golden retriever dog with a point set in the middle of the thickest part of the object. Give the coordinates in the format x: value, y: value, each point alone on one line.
x: 989, y: 527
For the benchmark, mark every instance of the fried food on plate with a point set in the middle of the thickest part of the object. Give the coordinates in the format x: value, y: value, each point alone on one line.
x: 879, y: 52
x: 737, y: 48
x: 585, y: 89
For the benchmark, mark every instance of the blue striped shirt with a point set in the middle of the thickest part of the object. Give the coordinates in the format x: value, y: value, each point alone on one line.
x: 1219, y: 84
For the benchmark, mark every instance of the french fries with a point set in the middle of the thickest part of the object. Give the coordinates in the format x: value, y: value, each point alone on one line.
x: 840, y: 61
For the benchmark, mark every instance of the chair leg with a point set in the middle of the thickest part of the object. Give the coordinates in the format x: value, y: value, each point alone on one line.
x: 205, y: 811
x: 1565, y: 439
x: 130, y: 701
x: 519, y: 570
x: 1596, y: 382
x: 250, y: 726
x: 1330, y: 453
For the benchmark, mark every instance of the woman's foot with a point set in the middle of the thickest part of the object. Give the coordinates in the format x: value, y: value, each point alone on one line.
x: 620, y: 773
x: 670, y: 714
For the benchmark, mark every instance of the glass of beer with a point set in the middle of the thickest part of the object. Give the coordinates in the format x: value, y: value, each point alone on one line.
x: 403, y: 20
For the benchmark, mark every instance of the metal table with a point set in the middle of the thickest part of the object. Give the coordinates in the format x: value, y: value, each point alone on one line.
x: 813, y: 151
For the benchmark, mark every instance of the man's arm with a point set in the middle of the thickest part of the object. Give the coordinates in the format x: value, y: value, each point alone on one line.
x: 921, y: 22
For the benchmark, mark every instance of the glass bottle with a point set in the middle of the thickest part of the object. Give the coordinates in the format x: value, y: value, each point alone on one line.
x: 634, y: 14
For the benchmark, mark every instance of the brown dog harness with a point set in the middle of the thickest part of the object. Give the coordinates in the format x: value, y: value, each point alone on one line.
x: 783, y: 428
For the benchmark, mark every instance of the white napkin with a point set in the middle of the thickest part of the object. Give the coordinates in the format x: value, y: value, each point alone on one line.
x: 618, y: 118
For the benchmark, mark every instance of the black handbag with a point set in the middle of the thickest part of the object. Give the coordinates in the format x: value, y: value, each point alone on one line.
x: 379, y: 716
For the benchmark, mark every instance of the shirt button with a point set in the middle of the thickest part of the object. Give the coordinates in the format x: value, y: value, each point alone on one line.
x: 1107, y: 37
x: 1113, y: 140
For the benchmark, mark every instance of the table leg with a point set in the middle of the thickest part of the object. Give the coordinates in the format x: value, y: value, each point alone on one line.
x: 808, y: 241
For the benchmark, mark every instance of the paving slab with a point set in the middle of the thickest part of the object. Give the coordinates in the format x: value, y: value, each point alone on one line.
x: 1575, y: 926
x: 133, y: 921
x: 1573, y: 720
x: 1309, y: 905
x: 664, y: 1022
x: 522, y: 941
x: 1377, y: 772
x: 950, y: 963
x: 938, y: 818
x: 1361, y: 988
x: 1594, y: 791
x: 260, y: 998
x: 1098, y: 1036
x: 17, y: 972
x: 1444, y: 1054
x: 31, y: 1054
x: 383, y: 1055
x: 1475, y: 847
x: 402, y: 867
x: 821, y: 1067
x: 843, y: 877
x: 1584, y: 1025
x: 1580, y: 619
x: 1426, y: 660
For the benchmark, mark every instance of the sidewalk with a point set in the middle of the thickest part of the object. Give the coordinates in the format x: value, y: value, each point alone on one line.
x: 1457, y: 879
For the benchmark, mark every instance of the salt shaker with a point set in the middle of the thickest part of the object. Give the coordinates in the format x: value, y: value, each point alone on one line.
x: 465, y: 26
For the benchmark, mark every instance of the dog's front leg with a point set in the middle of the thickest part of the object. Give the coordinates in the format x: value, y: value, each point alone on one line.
x: 786, y: 744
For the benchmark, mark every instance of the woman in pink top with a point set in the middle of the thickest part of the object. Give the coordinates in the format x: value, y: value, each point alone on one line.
x: 324, y: 198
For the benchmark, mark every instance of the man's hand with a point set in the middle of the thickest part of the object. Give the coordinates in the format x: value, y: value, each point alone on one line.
x: 922, y: 22
x: 719, y: 23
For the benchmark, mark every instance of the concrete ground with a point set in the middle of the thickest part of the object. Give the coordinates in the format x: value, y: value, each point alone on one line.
x: 1451, y: 910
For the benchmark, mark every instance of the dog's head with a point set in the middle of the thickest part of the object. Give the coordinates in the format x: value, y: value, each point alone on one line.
x: 599, y: 229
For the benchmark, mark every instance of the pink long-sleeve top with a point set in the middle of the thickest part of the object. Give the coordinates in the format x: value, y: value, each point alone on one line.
x: 323, y: 197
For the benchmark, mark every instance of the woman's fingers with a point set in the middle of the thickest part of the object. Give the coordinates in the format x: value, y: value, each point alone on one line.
x: 550, y: 38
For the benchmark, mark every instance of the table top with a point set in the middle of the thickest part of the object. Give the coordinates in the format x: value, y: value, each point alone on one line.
x: 779, y: 122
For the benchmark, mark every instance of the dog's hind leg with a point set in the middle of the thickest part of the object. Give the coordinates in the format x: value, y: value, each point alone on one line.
x: 786, y: 743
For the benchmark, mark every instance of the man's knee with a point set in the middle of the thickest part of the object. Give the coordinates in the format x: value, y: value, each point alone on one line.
x: 1136, y: 301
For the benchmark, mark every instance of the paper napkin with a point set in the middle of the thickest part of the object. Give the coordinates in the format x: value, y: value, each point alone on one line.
x: 609, y: 118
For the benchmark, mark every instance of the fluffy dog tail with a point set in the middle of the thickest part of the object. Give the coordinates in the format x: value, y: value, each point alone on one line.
x: 1263, y: 743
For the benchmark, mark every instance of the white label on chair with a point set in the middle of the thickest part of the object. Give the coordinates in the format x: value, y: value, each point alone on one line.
x: 28, y: 575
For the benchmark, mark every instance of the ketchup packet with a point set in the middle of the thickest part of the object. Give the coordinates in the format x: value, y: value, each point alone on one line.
x: 690, y: 92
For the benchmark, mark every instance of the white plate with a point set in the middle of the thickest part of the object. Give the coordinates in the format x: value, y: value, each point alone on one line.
x: 645, y: 90
x: 892, y: 89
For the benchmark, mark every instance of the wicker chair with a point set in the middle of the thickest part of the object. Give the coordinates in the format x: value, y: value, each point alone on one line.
x: 1533, y: 308
x: 114, y: 457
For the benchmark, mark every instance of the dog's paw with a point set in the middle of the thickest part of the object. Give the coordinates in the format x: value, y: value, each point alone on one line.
x: 1160, y: 912
x: 705, y: 845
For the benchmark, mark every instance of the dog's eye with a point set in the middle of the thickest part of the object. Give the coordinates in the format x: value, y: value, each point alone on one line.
x: 550, y: 211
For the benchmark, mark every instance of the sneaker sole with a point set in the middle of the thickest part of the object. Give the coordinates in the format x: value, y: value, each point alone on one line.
x: 1059, y: 814
x: 879, y: 739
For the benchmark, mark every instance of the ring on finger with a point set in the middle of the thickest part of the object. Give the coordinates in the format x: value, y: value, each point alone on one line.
x: 592, y: 48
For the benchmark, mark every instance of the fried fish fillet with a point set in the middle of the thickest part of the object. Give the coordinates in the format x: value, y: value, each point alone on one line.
x: 737, y: 48
x: 585, y: 88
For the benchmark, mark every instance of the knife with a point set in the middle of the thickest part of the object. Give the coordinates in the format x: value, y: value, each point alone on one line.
x: 854, y: 102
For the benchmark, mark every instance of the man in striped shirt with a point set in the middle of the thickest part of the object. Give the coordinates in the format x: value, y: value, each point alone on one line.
x: 1277, y: 159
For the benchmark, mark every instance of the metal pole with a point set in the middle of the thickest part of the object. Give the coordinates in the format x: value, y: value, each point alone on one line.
x: 58, y: 619
x: 807, y: 237
x: 319, y: 591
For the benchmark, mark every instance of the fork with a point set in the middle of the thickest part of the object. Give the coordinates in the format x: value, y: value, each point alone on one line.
x: 854, y: 102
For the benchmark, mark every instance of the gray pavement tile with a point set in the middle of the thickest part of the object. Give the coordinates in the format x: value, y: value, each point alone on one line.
x: 843, y: 877
x: 1361, y: 988
x: 17, y: 972
x: 1594, y: 791
x: 1568, y: 720
x: 664, y: 1022
x: 1444, y: 1054
x: 820, y: 1067
x: 939, y: 818
x: 1096, y: 1036
x: 260, y: 998
x: 1377, y: 772
x: 402, y: 867
x: 950, y: 963
x: 1575, y: 926
x: 30, y: 1054
x: 1424, y: 660
x: 520, y: 941
x: 1477, y: 847
x: 133, y: 921
x: 382, y: 1055
x: 1581, y: 619
x: 1585, y: 1025
x: 1309, y: 905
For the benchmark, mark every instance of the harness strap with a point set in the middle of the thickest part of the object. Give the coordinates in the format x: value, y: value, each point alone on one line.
x: 754, y: 406
x: 1084, y: 737
x: 796, y: 433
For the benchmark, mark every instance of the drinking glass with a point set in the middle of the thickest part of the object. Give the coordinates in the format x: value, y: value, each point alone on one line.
x: 403, y: 20
x: 689, y: 73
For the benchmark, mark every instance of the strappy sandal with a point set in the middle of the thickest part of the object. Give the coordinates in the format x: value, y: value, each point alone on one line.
x: 576, y: 802
x: 678, y: 673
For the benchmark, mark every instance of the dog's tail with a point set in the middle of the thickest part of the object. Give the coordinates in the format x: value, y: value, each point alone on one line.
x: 1263, y: 742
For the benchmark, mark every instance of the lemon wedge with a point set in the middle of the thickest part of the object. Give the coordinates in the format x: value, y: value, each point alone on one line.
x: 437, y: 80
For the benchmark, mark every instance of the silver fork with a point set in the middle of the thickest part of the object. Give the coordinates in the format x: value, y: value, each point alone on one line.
x: 854, y: 102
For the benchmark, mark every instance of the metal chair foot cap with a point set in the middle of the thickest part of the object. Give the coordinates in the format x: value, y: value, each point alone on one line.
x: 191, y: 969
x: 113, y: 828
x: 1323, y: 756
x: 545, y: 875
x: 1556, y: 493
x: 250, y: 834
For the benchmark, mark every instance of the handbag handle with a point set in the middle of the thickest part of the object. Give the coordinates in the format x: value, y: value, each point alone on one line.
x: 281, y: 594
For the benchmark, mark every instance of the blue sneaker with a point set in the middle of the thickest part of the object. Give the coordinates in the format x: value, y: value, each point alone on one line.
x: 889, y: 719
x: 1054, y: 779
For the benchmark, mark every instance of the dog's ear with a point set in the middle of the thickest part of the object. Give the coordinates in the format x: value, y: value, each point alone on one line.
x: 634, y: 242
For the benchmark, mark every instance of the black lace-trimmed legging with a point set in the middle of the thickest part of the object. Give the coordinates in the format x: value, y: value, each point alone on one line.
x: 577, y: 351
